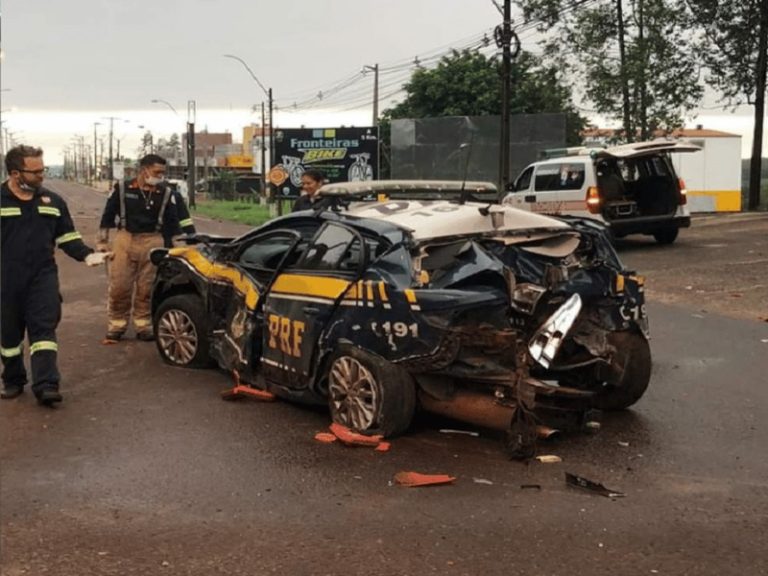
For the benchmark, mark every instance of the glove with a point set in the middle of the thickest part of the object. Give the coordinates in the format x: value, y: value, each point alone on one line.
x: 97, y: 258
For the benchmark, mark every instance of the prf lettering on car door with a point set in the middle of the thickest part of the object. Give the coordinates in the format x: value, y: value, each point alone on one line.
x: 286, y: 335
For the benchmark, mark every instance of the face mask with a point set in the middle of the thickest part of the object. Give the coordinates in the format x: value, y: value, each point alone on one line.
x: 152, y: 180
x: 26, y: 187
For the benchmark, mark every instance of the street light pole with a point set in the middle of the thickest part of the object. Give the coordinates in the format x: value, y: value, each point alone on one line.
x: 95, y: 151
x: 375, y: 69
x: 191, y: 164
x: 268, y: 92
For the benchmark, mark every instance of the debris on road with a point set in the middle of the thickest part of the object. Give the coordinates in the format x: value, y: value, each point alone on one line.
x: 623, y: 444
x: 530, y: 486
x: 415, y: 479
x: 325, y: 437
x: 586, y: 484
x: 353, y: 438
x: 545, y: 432
x: 467, y: 432
x: 549, y: 458
x: 482, y: 481
x: 240, y: 390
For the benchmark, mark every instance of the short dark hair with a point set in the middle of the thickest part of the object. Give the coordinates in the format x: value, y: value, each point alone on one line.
x: 151, y: 159
x: 315, y: 174
x: 14, y: 159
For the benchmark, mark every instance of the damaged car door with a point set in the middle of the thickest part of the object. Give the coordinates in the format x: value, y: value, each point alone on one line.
x: 303, y: 298
x: 236, y: 343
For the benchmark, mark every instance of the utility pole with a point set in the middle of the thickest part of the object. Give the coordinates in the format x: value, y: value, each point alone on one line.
x: 628, y: 132
x: 111, y: 136
x: 263, y: 153
x: 191, y: 167
x: 507, y: 40
x: 375, y: 69
x: 95, y: 151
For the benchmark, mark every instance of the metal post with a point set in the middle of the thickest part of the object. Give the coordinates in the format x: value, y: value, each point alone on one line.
x: 191, y: 166
x: 506, y: 71
x: 95, y: 151
x: 272, y: 148
x: 263, y: 153
x: 111, y: 159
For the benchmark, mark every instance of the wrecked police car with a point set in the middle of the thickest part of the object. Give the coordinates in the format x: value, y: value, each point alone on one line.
x: 393, y: 295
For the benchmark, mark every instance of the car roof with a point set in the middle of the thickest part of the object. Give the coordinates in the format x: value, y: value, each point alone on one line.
x: 433, y: 219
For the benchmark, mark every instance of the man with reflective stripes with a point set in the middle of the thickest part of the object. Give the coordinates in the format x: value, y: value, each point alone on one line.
x: 33, y: 221
x: 147, y: 216
x: 186, y: 225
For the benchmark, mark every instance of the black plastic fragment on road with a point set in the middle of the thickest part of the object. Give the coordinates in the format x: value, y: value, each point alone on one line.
x: 586, y: 484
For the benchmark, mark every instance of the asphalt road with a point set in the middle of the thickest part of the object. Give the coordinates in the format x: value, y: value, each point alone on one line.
x: 143, y: 470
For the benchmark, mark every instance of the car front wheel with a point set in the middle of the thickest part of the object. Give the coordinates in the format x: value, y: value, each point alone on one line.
x: 368, y: 394
x: 181, y: 331
x: 628, y: 376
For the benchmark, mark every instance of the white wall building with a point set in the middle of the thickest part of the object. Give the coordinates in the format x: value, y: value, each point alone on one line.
x: 712, y: 176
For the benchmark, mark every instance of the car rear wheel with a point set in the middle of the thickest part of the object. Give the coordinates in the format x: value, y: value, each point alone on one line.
x: 628, y: 376
x: 368, y: 394
x: 181, y: 331
x: 666, y: 235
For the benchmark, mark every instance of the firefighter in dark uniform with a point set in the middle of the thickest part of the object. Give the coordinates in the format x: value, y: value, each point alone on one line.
x: 146, y: 214
x: 33, y: 221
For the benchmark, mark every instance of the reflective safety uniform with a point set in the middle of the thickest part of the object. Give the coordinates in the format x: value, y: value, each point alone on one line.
x: 29, y: 295
x: 145, y: 220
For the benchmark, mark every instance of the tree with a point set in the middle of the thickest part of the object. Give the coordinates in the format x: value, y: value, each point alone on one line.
x: 735, y: 50
x: 147, y: 144
x: 636, y: 60
x: 468, y: 83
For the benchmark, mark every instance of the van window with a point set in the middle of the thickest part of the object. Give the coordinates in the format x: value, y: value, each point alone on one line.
x: 524, y: 181
x: 564, y: 176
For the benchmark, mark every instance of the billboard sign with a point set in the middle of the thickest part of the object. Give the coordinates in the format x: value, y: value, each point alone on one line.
x: 343, y: 154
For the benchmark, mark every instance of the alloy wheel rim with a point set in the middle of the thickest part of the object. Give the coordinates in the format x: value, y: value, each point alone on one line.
x: 177, y: 336
x: 354, y: 394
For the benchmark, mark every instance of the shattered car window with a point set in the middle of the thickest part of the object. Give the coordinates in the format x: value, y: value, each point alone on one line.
x: 333, y: 249
x: 267, y: 253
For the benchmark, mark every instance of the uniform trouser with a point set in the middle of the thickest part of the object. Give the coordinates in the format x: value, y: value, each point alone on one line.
x: 31, y: 305
x: 131, y: 276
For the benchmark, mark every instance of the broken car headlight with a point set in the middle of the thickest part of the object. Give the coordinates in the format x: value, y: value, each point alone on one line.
x: 549, y: 337
x: 524, y: 297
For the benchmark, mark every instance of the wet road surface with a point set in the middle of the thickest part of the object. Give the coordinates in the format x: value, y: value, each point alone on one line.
x: 144, y: 470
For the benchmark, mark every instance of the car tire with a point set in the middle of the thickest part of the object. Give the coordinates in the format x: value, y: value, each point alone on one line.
x: 666, y: 235
x: 368, y: 394
x: 181, y: 331
x: 628, y: 376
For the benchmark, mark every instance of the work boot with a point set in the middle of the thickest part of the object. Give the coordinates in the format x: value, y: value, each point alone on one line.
x: 113, y: 337
x: 11, y: 391
x: 145, y: 336
x: 49, y: 397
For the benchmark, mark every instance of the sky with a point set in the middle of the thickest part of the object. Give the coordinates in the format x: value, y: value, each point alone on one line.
x: 69, y: 64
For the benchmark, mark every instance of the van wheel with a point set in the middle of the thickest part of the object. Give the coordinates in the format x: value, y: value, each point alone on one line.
x: 666, y: 235
x: 368, y: 394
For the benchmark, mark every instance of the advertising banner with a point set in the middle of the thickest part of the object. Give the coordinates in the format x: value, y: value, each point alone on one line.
x: 343, y: 155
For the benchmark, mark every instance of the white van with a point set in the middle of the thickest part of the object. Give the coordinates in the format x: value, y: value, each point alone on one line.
x: 633, y: 188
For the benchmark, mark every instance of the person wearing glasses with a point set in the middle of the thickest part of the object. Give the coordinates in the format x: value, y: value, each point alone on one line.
x: 33, y: 222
